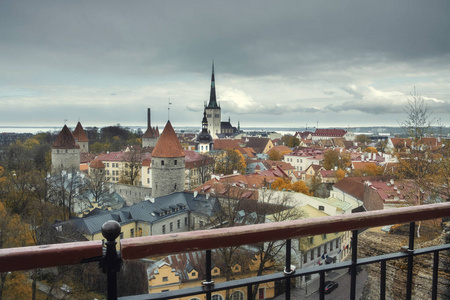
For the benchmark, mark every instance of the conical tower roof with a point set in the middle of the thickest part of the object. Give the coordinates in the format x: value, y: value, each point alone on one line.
x: 168, y: 144
x: 212, y: 95
x: 97, y: 164
x: 79, y: 134
x: 65, y: 140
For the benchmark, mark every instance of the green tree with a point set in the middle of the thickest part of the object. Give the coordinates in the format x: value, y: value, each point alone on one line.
x: 362, y: 138
x: 275, y: 155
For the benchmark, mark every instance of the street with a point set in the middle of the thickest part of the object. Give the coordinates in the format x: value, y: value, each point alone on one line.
x: 342, y: 292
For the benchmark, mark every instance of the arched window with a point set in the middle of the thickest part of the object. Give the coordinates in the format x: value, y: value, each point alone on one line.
x: 217, y: 297
x: 194, y: 299
x: 237, y: 295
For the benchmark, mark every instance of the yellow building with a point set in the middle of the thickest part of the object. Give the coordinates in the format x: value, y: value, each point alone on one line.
x: 186, y: 270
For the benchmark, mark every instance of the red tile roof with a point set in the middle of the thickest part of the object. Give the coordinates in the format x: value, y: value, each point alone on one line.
x: 65, y: 140
x: 97, y: 164
x: 151, y: 132
x: 225, y: 144
x: 79, y: 134
x: 330, y: 132
x: 168, y: 144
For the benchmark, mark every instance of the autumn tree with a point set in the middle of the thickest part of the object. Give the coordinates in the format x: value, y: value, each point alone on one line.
x: 371, y: 150
x: 340, y: 174
x: 335, y: 158
x: 230, y: 161
x: 13, y: 233
x: 281, y: 184
x: 275, y: 155
x: 301, y: 187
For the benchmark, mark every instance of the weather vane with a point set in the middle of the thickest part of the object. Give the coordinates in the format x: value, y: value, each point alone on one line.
x: 168, y: 109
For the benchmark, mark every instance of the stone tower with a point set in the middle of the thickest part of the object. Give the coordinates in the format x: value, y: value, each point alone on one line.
x: 204, y: 142
x: 168, y: 164
x: 65, y: 152
x: 213, y: 112
x: 151, y: 135
x: 81, y: 138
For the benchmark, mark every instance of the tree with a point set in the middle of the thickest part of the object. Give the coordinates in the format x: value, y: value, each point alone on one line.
x: 301, y: 187
x: 290, y: 141
x: 371, y: 150
x: 281, y: 184
x: 362, y: 138
x: 427, y: 164
x: 230, y: 161
x: 419, y: 118
x: 132, y: 165
x: 340, y: 174
x: 335, y: 158
x: 13, y: 233
x: 275, y: 155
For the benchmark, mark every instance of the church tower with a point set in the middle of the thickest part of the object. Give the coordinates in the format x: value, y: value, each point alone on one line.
x: 204, y: 142
x: 65, y: 152
x: 151, y: 135
x: 81, y: 138
x: 213, y: 112
x: 168, y: 164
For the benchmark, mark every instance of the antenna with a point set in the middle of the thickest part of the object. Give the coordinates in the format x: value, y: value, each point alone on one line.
x: 65, y: 121
x: 168, y: 109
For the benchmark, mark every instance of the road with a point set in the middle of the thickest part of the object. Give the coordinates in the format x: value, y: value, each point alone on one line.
x: 342, y: 292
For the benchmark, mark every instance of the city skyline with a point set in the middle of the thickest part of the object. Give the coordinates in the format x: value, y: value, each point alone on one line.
x: 277, y: 64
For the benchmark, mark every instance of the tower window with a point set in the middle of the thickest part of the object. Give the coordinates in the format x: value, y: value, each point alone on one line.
x: 162, y: 163
x: 175, y: 162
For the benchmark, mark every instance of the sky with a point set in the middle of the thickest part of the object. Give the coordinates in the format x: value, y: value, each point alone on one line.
x: 277, y: 63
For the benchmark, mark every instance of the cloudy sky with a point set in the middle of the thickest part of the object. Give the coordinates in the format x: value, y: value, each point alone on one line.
x: 278, y: 63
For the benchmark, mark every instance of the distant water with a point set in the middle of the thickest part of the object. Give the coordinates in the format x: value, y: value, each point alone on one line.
x: 188, y: 129
x: 33, y: 130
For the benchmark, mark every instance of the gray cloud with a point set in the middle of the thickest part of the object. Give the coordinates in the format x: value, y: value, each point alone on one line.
x: 295, y: 59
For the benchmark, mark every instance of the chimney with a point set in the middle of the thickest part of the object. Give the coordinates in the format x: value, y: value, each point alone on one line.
x: 149, y: 123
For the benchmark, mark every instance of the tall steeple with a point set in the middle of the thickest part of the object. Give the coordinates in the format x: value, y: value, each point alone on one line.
x: 212, y: 95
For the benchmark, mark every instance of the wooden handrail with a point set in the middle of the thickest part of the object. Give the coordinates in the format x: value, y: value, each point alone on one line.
x: 13, y: 259
x: 252, y: 234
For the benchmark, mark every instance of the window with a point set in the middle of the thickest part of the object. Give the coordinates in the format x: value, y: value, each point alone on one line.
x: 324, y: 236
x: 337, y: 244
x: 140, y: 231
x: 217, y: 297
x: 237, y: 295
x: 201, y: 223
x: 165, y: 278
x: 311, y: 240
x: 185, y: 221
x: 162, y: 163
x: 132, y: 232
x: 318, y: 251
x: 305, y: 257
x: 194, y: 274
x: 164, y: 229
x: 171, y: 226
x: 175, y: 162
x: 331, y: 246
x: 121, y: 235
x: 178, y: 224
x: 321, y: 207
x: 165, y: 291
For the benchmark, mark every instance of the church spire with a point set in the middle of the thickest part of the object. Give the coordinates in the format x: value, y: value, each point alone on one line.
x: 212, y: 95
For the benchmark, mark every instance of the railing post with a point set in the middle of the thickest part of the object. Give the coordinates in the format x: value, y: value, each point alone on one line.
x: 111, y: 261
x: 288, y: 270
x: 383, y: 281
x: 435, y: 275
x: 208, y: 280
x: 353, y: 266
x: 412, y: 227
x: 322, y: 285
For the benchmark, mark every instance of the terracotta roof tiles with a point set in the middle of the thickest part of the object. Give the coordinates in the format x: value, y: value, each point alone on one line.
x: 79, y: 134
x: 65, y: 140
x: 168, y: 144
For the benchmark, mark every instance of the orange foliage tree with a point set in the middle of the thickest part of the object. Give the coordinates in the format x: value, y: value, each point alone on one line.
x: 301, y: 187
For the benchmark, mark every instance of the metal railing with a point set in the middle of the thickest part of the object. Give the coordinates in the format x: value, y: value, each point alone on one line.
x: 110, y: 259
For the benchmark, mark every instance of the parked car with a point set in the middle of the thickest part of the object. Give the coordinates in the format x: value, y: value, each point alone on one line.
x: 330, y: 286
